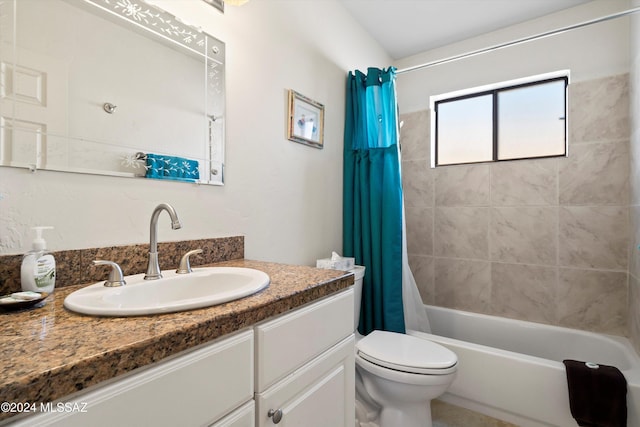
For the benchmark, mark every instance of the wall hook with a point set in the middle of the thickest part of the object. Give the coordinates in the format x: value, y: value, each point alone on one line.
x: 109, y: 107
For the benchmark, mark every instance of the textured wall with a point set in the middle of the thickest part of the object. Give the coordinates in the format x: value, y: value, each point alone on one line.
x: 542, y: 240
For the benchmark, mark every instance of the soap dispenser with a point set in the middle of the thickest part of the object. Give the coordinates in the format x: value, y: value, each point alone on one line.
x: 38, y: 271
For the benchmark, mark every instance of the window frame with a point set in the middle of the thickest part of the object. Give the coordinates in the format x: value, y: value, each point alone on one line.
x: 494, y: 90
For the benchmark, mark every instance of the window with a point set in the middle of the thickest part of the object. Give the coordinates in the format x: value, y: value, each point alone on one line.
x: 519, y: 119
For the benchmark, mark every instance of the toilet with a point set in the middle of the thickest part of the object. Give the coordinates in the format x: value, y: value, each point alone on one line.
x: 397, y: 375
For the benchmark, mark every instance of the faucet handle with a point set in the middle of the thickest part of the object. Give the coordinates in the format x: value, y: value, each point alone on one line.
x: 185, y: 265
x: 116, y: 278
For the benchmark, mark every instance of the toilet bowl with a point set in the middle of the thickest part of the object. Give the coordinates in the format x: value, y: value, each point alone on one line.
x: 398, y: 375
x: 402, y: 374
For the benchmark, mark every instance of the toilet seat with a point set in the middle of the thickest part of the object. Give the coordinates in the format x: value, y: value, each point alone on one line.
x: 406, y: 353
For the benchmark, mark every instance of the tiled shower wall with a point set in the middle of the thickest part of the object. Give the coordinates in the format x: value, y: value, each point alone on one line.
x: 543, y: 240
x: 634, y: 234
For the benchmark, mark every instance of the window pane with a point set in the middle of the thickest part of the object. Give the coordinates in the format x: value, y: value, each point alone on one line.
x: 531, y: 121
x: 465, y: 129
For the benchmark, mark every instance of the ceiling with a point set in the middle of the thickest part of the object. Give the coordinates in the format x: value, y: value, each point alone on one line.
x: 406, y: 27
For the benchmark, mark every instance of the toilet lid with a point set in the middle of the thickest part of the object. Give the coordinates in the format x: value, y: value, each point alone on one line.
x: 406, y: 353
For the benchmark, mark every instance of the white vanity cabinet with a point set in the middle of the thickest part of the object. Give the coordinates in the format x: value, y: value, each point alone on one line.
x: 305, y: 368
x: 198, y: 388
x: 295, y: 370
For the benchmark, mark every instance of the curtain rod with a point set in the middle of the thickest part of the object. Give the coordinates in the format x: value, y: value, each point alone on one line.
x: 519, y: 41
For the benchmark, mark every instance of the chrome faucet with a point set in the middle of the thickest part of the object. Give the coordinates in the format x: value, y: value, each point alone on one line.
x: 153, y: 268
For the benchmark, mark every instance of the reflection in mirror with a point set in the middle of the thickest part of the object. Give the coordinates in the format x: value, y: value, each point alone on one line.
x: 112, y: 87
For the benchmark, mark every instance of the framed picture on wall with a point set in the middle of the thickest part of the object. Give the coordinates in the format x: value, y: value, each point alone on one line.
x: 306, y: 120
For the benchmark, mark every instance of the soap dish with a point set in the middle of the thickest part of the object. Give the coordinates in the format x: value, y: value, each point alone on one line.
x: 21, y: 300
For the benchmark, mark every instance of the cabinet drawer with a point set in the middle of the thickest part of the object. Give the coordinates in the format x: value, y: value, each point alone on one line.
x: 193, y: 389
x: 320, y: 394
x: 288, y: 342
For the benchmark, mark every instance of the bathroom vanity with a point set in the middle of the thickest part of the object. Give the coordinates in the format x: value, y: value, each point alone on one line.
x: 282, y: 356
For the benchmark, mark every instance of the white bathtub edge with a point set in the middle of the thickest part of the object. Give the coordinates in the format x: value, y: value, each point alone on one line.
x: 483, y: 369
x: 495, y: 382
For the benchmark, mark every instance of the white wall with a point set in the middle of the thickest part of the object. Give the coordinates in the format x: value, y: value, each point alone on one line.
x: 285, y: 198
x: 590, y: 52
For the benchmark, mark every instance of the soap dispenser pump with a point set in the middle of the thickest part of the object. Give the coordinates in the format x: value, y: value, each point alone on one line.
x: 38, y: 271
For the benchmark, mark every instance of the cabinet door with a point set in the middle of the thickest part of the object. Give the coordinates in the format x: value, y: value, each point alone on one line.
x: 192, y: 389
x: 320, y: 394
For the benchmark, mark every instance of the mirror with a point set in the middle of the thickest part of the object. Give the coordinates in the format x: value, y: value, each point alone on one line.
x: 110, y: 87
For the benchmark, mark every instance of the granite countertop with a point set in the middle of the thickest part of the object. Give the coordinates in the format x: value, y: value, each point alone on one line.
x: 50, y: 352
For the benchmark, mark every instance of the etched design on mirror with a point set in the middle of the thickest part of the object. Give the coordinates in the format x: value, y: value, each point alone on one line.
x: 133, y: 10
x: 215, y: 114
x: 215, y: 78
x: 162, y: 22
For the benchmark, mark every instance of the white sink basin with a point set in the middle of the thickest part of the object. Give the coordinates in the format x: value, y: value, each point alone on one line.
x: 204, y: 287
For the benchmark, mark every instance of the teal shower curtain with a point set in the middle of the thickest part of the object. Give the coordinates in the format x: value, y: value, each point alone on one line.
x: 372, y: 196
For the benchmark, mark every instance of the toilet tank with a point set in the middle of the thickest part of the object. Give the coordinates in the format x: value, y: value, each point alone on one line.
x: 358, y: 272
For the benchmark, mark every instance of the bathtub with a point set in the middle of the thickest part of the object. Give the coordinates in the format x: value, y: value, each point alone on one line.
x: 512, y: 370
